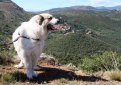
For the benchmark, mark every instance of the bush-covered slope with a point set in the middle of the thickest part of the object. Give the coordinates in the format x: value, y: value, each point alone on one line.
x: 73, y: 47
x: 105, y: 27
x: 11, y: 16
x: 106, y: 24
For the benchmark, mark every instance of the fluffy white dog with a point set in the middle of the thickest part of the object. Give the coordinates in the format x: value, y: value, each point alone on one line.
x: 29, y: 40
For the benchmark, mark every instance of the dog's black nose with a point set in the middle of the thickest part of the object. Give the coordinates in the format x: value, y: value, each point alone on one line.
x: 59, y: 20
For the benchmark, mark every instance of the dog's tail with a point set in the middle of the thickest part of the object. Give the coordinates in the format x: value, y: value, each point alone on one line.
x: 7, y: 44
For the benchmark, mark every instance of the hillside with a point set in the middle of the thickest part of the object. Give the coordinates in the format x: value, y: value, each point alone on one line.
x: 110, y: 8
x: 70, y: 8
x: 10, y: 16
x: 105, y: 28
x: 73, y: 47
x: 79, y: 7
x: 106, y: 24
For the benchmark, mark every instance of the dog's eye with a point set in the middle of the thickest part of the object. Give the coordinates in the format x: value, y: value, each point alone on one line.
x: 50, y: 18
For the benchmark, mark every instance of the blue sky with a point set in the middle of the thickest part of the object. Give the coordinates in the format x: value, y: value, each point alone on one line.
x: 40, y: 5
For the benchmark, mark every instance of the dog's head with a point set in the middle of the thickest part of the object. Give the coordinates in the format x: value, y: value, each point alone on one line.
x: 47, y: 20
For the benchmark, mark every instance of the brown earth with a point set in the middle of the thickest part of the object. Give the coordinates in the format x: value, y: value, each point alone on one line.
x: 55, y: 75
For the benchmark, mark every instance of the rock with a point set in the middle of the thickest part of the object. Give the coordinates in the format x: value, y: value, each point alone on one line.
x: 49, y: 59
x: 72, y: 67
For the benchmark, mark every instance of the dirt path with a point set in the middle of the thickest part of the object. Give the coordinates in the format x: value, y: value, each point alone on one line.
x: 55, y: 75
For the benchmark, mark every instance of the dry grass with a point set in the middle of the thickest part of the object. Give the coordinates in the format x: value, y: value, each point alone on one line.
x: 115, y: 75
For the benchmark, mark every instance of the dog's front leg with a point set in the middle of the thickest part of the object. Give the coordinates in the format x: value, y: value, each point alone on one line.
x: 29, y: 72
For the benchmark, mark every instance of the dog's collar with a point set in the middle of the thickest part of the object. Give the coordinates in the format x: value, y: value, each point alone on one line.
x: 28, y: 37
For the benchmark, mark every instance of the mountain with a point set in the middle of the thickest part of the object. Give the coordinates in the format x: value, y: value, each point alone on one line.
x: 102, y: 8
x: 70, y: 8
x: 10, y: 16
x: 109, y: 8
x: 95, y: 32
x: 115, y: 8
x: 82, y: 8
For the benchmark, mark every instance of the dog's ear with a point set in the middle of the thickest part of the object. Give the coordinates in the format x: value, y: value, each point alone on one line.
x: 39, y: 19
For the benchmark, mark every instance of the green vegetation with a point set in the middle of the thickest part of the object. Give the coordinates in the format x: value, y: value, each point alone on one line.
x: 72, y: 47
x: 12, y: 77
x: 106, y: 24
x: 11, y: 16
x: 101, y: 62
x: 7, y: 78
x: 105, y: 32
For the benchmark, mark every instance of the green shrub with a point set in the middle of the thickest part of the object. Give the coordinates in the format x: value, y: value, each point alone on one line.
x: 6, y: 51
x: 106, y: 61
x: 72, y: 47
x: 12, y: 77
x: 7, y: 78
x: 6, y: 56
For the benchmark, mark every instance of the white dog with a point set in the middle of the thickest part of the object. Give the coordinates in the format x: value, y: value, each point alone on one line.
x: 29, y: 40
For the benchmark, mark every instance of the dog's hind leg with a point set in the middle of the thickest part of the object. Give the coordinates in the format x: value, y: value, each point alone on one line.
x: 20, y: 65
x: 27, y: 61
x: 29, y: 67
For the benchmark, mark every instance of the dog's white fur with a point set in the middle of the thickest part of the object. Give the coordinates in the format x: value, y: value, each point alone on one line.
x: 29, y: 50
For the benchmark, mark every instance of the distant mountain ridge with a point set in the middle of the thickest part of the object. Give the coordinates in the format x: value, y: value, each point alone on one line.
x: 110, y: 8
x: 71, y: 8
x: 83, y: 8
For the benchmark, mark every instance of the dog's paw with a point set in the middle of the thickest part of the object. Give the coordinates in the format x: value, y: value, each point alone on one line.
x: 31, y: 74
x: 18, y: 66
x: 34, y: 74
